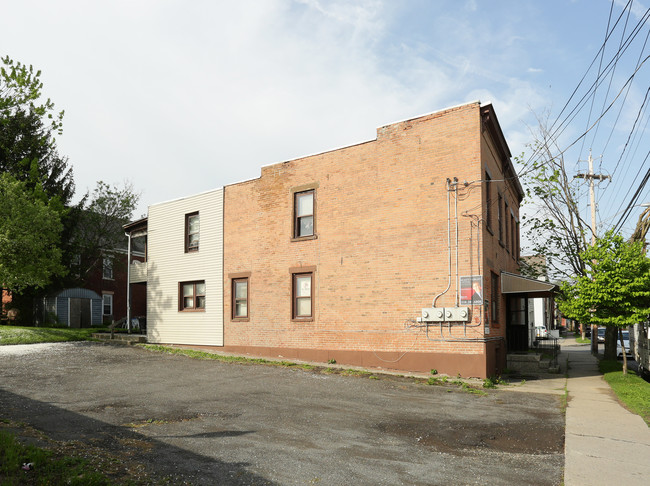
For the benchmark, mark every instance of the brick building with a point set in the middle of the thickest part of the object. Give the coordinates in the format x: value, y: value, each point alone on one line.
x: 396, y: 253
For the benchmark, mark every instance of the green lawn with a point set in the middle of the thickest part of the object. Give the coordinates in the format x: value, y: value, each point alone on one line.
x: 630, y: 389
x: 579, y: 339
x: 44, y: 467
x: 32, y: 335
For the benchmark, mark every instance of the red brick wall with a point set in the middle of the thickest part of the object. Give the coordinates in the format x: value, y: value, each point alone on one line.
x: 117, y: 285
x: 381, y: 252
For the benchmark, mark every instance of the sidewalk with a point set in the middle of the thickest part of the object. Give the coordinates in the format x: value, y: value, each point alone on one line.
x: 604, y: 443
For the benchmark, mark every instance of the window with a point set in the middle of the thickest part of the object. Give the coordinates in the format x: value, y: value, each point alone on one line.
x: 302, y: 296
x: 488, y: 200
x: 494, y: 308
x: 107, y: 268
x: 304, y: 214
x: 240, y: 298
x: 192, y: 227
x: 500, y: 218
x: 513, y: 234
x: 517, y: 237
x: 192, y: 296
x: 506, y: 233
x: 107, y: 304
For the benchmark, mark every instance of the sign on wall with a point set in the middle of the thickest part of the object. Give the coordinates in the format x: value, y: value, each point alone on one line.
x: 471, y: 290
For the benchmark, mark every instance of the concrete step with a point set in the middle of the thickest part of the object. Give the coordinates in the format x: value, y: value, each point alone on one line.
x: 120, y: 338
x: 530, y: 363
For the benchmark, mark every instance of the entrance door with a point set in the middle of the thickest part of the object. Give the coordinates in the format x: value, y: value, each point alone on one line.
x: 517, y: 323
x: 80, y: 312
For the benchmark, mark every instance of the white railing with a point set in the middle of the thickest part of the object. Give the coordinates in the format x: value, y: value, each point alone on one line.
x: 138, y: 272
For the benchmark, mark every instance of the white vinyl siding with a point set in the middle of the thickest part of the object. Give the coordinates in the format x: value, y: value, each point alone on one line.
x: 168, y: 265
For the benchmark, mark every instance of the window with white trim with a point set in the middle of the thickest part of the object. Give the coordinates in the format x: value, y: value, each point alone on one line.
x: 107, y: 304
x: 107, y: 268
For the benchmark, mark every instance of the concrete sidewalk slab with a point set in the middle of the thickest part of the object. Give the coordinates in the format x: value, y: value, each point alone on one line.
x: 605, y: 444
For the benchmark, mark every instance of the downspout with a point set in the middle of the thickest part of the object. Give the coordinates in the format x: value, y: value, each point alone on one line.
x: 128, y: 284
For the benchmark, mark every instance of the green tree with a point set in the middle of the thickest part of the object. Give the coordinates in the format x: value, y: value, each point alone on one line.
x: 27, y: 133
x: 615, y: 289
x: 99, y: 224
x: 29, y: 236
x: 552, y: 223
x: 28, y: 152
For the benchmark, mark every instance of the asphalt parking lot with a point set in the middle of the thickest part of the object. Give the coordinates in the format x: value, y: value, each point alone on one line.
x: 175, y: 420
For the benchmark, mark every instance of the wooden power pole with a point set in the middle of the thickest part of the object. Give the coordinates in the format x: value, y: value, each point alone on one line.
x: 592, y: 197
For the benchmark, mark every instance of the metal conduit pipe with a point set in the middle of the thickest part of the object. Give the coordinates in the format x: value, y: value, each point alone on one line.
x: 462, y: 340
x: 456, y: 222
x: 448, y: 246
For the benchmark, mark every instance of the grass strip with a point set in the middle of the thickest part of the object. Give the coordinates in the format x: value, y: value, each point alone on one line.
x: 630, y: 389
x: 193, y: 353
x: 34, y: 335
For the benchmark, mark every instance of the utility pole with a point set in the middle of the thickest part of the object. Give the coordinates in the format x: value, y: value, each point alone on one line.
x: 592, y: 196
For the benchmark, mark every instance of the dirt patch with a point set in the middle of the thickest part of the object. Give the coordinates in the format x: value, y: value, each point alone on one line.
x: 459, y: 437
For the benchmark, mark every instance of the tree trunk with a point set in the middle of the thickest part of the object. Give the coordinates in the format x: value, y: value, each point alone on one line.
x: 594, y: 340
x: 611, y: 336
x: 620, y: 337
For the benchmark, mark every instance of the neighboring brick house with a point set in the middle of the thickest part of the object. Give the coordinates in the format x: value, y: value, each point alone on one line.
x: 108, y: 278
x: 99, y: 295
x: 396, y: 253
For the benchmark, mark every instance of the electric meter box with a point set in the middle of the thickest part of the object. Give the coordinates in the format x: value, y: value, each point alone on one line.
x: 445, y: 314
x: 457, y: 314
x: 436, y: 314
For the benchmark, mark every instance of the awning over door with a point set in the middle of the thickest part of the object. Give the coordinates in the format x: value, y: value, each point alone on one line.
x: 516, y: 284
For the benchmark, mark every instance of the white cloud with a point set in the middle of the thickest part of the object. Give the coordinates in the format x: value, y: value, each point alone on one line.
x: 182, y: 97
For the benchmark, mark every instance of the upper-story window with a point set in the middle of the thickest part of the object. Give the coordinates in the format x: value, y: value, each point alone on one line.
x: 192, y: 227
x: 513, y: 235
x: 506, y: 236
x: 107, y: 268
x: 500, y: 218
x: 488, y: 201
x: 304, y: 214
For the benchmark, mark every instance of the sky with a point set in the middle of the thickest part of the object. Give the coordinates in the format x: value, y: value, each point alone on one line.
x: 180, y: 97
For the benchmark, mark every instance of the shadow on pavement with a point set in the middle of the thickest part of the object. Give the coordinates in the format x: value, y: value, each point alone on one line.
x: 161, y: 461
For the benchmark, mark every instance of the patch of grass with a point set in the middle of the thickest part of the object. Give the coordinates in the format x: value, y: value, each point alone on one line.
x: 351, y: 372
x: 434, y: 380
x: 630, y: 389
x: 491, y: 382
x: 192, y: 353
x: 46, y: 468
x: 579, y: 340
x: 33, y: 335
